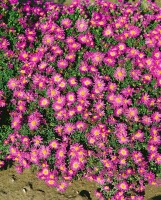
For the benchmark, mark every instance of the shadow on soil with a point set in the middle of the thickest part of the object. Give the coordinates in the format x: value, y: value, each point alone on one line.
x: 156, y: 198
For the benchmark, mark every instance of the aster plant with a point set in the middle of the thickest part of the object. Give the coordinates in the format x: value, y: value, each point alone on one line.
x: 82, y: 85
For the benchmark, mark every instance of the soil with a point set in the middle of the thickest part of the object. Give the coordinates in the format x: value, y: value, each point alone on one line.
x: 27, y: 186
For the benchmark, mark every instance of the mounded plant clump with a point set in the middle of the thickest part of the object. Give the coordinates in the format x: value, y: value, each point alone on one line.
x: 80, y: 93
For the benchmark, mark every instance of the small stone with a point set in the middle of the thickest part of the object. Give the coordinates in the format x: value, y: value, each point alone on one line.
x: 24, y: 190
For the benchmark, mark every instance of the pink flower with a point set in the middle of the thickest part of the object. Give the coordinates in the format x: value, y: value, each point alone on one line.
x: 107, y: 32
x: 75, y: 165
x: 82, y: 92
x: 123, y: 186
x: 51, y: 182
x: 146, y: 120
x: 44, y: 152
x: 16, y: 123
x: 60, y: 154
x: 48, y: 39
x: 44, y: 102
x: 37, y: 140
x: 70, y: 96
x: 66, y: 22
x: 33, y: 122
x: 120, y: 74
x: 97, y: 57
x: 13, y: 83
x: 123, y: 152
x: 62, y: 64
x: 156, y: 116
x: 81, y: 25
x: 69, y: 128
x: 118, y: 100
x: 131, y: 112
x: 62, y: 186
x: 72, y: 81
x: 54, y: 144
x: 52, y: 92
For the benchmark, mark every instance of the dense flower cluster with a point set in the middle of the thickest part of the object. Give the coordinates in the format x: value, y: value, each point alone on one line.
x: 86, y: 96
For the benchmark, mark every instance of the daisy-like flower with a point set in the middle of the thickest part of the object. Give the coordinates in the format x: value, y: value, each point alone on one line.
x: 52, y: 92
x: 51, y: 182
x: 61, y: 100
x: 75, y: 165
x: 66, y: 23
x: 95, y: 131
x: 56, y: 106
x: 44, y: 152
x: 45, y: 171
x: 35, y: 58
x: 23, y: 56
x: 69, y: 128
x: 60, y: 154
x: 107, y: 32
x: 139, y: 135
x: 99, y: 105
x: 70, y: 40
x: 70, y: 96
x: 16, y: 123
x: 62, y: 84
x: 120, y: 74
x: 42, y: 66
x: 13, y: 83
x: 74, y: 46
x: 112, y: 86
x: 57, y: 78
x: 33, y: 122
x: 72, y: 81
x: 37, y: 140
x: 82, y: 92
x: 62, y: 64
x: 156, y: 116
x: 118, y: 100
x: 123, y: 152
x: 48, y: 39
x: 123, y: 186
x: 97, y: 57
x: 131, y: 112
x: 83, y: 68
x: 135, y: 74
x: 79, y: 108
x: 86, y: 82
x: 54, y: 144
x: 62, y: 186
x: 70, y: 57
x: 81, y: 25
x: 146, y: 120
x: 44, y: 102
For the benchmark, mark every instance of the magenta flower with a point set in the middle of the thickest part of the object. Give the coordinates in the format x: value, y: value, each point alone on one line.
x: 44, y: 152
x: 81, y: 25
x: 33, y: 122
x: 43, y: 102
x: 123, y: 186
x: 62, y: 64
x: 123, y: 152
x: 48, y: 40
x: 82, y: 92
x: 120, y: 74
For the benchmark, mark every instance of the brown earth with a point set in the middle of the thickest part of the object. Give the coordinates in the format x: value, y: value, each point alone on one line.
x: 27, y: 186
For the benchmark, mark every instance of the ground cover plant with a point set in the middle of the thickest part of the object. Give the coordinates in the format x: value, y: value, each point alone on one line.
x: 80, y: 93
